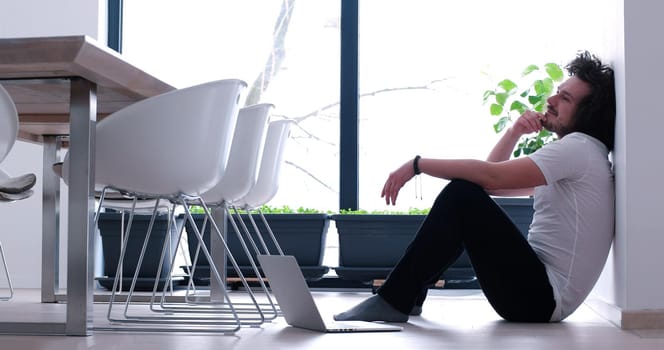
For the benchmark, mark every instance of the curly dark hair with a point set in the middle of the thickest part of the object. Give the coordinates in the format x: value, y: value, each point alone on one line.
x: 596, y: 114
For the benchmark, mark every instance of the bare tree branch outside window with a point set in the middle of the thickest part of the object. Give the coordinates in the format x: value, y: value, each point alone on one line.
x: 271, y: 69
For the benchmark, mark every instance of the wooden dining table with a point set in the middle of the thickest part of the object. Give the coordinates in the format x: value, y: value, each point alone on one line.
x: 61, y: 87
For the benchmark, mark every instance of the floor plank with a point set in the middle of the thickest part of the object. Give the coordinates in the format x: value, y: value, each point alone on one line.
x: 451, y: 319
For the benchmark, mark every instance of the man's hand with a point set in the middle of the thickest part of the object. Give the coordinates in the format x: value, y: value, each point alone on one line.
x: 529, y: 122
x: 395, y: 182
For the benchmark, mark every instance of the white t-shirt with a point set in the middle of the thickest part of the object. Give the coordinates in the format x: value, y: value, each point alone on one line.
x: 573, y: 224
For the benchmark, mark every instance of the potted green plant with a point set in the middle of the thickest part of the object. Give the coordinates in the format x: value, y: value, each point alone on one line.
x: 512, y: 97
x: 299, y: 232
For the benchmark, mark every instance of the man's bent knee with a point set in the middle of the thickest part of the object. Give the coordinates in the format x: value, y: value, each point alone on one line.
x: 464, y: 188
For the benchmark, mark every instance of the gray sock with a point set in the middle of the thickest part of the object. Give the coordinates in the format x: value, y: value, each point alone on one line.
x: 416, y: 310
x: 373, y: 309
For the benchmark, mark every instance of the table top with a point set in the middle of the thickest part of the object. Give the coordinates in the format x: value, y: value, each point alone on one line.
x: 36, y: 73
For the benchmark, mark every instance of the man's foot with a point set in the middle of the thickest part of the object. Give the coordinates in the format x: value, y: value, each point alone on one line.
x: 415, y: 311
x: 373, y: 309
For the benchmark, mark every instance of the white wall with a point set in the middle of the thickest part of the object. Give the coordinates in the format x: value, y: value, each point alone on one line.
x: 24, y: 18
x: 641, y: 161
x: 611, y: 287
x: 21, y: 229
x: 632, y: 279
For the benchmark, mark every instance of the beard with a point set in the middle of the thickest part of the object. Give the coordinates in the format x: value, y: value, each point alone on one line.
x: 556, y: 128
x: 550, y: 123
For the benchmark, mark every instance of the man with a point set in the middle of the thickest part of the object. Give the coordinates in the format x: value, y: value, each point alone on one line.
x: 546, y: 277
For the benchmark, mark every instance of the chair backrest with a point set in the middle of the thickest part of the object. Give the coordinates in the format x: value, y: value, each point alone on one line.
x: 177, y: 142
x: 267, y: 182
x: 8, y: 123
x: 248, y: 140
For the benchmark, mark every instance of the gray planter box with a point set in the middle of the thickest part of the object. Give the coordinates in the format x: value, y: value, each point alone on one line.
x: 109, y: 228
x: 370, y: 245
x: 300, y: 235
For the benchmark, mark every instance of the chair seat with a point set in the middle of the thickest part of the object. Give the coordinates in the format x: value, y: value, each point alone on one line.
x: 116, y: 200
x: 10, y: 197
x: 15, y: 188
x: 18, y: 184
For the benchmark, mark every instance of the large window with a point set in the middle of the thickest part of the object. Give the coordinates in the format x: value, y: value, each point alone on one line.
x: 287, y: 50
x: 424, y: 66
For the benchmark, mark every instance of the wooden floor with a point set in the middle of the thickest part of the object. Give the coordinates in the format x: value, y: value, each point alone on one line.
x: 452, y: 319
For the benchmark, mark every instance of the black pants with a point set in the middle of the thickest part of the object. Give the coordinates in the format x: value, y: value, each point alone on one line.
x: 509, y: 272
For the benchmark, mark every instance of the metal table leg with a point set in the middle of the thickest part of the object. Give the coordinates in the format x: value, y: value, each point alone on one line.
x: 50, y: 223
x: 80, y: 243
x: 218, y: 255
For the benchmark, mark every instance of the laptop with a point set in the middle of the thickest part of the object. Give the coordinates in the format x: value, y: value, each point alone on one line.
x: 297, y: 304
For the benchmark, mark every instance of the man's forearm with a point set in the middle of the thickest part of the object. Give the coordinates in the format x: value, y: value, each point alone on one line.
x: 502, y: 151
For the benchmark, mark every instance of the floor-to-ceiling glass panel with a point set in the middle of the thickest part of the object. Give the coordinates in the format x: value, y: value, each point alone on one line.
x: 288, y: 50
x: 424, y: 66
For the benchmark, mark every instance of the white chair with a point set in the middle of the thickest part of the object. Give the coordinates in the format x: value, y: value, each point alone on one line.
x: 172, y: 147
x: 238, y: 178
x: 265, y: 186
x: 267, y: 182
x: 249, y: 191
x: 9, y: 296
x: 119, y: 202
x: 269, y: 174
x: 9, y: 126
x: 248, y: 141
x: 11, y: 188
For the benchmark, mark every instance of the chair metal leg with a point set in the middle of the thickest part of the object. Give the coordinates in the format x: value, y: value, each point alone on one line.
x: 271, y: 307
x: 9, y: 279
x: 248, y: 233
x: 191, y: 287
x: 269, y: 231
x: 225, y: 316
x: 268, y: 307
x: 199, y: 300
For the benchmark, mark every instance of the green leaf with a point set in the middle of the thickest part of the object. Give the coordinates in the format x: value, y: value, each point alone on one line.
x: 554, y: 71
x: 545, y: 133
x: 519, y: 107
x: 530, y: 145
x: 496, y: 109
x: 531, y: 68
x: 539, y: 106
x: 533, y: 100
x: 540, y: 87
x: 501, y: 124
x: 501, y: 98
x: 487, y: 94
x: 545, y: 87
x: 507, y: 85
